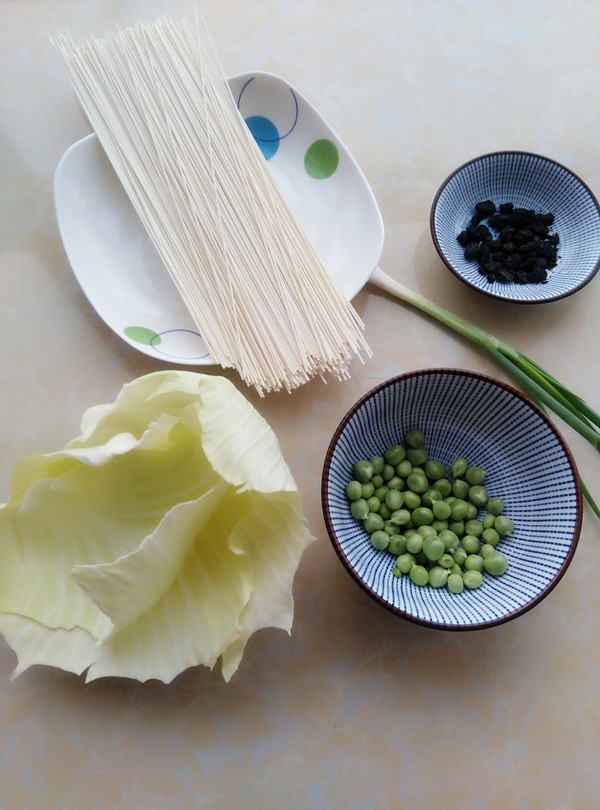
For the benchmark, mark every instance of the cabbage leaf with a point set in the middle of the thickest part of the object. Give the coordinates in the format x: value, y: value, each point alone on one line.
x: 161, y: 538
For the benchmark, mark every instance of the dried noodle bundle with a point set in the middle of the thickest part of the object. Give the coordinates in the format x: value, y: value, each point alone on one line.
x: 243, y: 265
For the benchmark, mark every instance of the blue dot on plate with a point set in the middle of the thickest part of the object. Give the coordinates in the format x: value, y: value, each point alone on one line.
x: 265, y: 133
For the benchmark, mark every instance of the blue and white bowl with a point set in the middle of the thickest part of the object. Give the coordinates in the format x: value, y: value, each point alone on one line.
x: 528, y: 181
x: 528, y: 464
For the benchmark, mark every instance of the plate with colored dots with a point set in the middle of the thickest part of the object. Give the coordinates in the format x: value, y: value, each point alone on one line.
x: 120, y: 271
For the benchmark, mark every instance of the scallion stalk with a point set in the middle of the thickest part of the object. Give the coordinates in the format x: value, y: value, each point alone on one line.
x: 542, y: 387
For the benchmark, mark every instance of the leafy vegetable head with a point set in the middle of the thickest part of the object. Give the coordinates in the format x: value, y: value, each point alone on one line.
x: 161, y: 538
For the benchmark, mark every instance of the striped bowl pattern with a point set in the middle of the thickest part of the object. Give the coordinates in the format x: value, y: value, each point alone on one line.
x: 528, y: 465
x: 528, y: 181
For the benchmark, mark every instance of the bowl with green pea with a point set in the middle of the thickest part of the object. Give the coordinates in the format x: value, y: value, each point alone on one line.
x: 451, y: 499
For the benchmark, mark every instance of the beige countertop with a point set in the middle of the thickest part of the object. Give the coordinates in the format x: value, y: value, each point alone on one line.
x: 357, y: 708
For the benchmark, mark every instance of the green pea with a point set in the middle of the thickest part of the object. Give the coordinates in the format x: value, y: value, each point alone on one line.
x: 449, y: 539
x: 419, y: 575
x: 354, y: 490
x: 441, y: 510
x: 443, y: 486
x: 458, y: 510
x: 394, y: 499
x: 397, y: 544
x: 460, y: 488
x: 381, y: 492
x: 478, y: 495
x: 488, y: 521
x: 395, y: 454
x: 496, y: 564
x: 434, y: 469
x: 433, y: 548
x: 446, y: 561
x: 377, y: 462
x: 417, y: 483
x: 472, y: 579
x: 422, y: 515
x: 388, y: 472
x: 359, y: 509
x: 396, y: 483
x: 473, y: 562
x: 414, y: 543
x: 363, y: 471
x: 504, y: 526
x: 455, y: 583
x: 495, y: 506
x: 474, y: 527
x: 390, y: 527
x: 428, y: 498
x: 457, y: 526
x: 471, y: 511
x: 373, y: 503
x: 471, y: 544
x: 380, y: 540
x: 404, y: 469
x: 459, y: 467
x: 411, y: 499
x: 372, y: 522
x: 405, y: 562
x: 367, y: 489
x: 429, y: 524
x: 400, y: 517
x: 417, y: 456
x: 475, y: 475
x: 415, y: 438
x: 490, y: 536
x: 438, y: 576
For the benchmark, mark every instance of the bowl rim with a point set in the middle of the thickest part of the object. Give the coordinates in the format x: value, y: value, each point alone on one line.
x: 325, y: 477
x: 507, y: 298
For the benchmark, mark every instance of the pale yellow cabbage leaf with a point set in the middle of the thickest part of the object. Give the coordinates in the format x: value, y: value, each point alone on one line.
x: 160, y: 539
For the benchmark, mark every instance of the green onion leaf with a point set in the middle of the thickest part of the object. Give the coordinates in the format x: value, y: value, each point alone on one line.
x: 541, y: 386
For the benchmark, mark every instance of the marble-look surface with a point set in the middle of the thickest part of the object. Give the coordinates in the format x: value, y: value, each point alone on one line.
x: 357, y: 709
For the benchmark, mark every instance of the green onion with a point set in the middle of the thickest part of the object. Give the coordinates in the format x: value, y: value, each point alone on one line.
x: 542, y: 387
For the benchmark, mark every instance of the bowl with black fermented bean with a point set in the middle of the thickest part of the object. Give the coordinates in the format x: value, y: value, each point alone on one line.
x: 518, y: 227
x: 451, y: 499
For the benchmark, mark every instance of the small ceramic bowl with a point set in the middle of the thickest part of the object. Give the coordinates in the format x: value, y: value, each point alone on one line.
x: 529, y: 182
x: 528, y: 465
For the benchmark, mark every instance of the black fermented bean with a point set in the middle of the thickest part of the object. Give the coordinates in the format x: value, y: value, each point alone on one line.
x: 521, y: 249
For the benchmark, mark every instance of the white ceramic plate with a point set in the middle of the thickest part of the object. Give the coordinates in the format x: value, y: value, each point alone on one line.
x: 121, y: 273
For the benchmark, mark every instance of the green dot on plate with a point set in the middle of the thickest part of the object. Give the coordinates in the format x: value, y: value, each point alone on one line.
x: 142, y: 334
x: 321, y: 159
